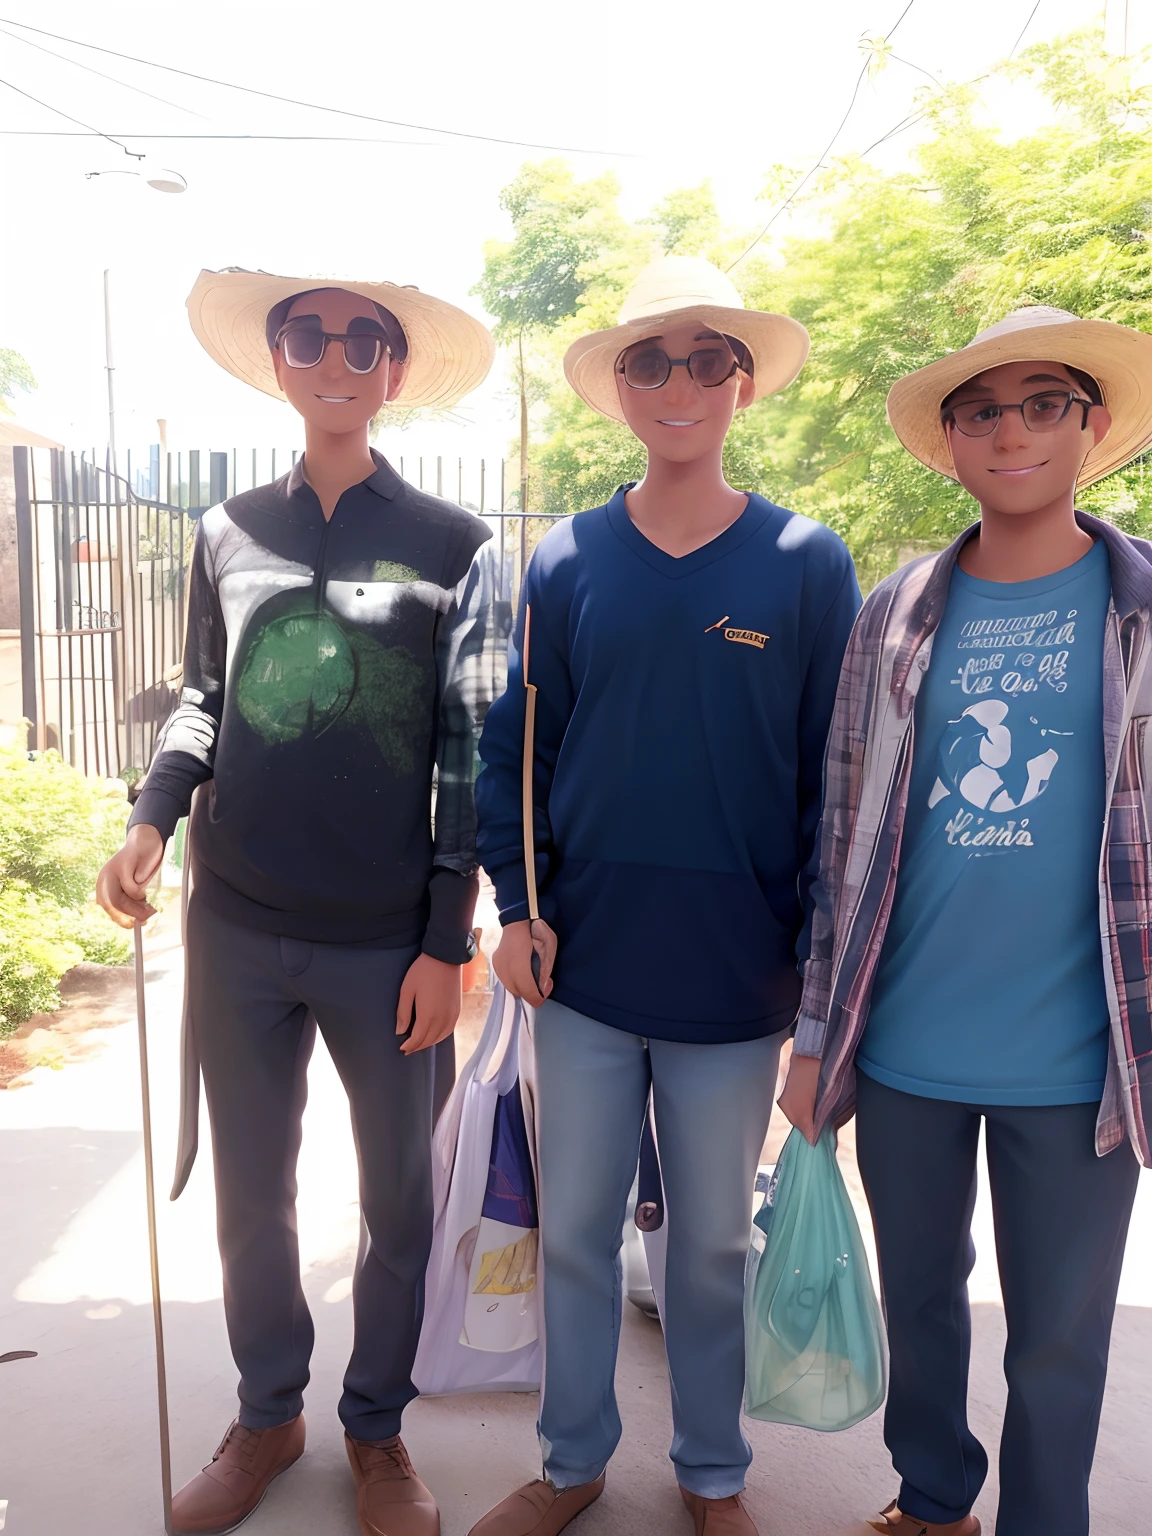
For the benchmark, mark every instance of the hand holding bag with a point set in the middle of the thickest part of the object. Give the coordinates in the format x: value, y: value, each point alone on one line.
x: 814, y: 1338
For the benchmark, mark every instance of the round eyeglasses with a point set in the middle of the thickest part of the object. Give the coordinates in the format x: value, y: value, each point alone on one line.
x: 645, y: 366
x: 1042, y: 413
x: 303, y: 346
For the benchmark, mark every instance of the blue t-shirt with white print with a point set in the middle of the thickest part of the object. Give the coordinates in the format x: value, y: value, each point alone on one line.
x: 990, y: 987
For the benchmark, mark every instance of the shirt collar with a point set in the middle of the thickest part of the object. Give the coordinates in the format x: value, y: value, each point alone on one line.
x: 1130, y: 559
x: 1130, y: 562
x: 383, y: 480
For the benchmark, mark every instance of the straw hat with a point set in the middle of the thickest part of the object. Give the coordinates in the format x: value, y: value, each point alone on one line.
x: 1117, y: 357
x: 449, y: 353
x: 670, y: 291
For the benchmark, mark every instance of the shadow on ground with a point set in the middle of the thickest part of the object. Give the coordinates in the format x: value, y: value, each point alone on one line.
x: 78, y: 1442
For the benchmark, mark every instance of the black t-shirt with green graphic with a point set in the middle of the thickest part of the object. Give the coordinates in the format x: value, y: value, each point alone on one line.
x: 331, y: 670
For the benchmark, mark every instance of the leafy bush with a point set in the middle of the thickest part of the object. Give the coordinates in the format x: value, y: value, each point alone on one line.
x: 35, y: 951
x: 100, y: 939
x: 56, y: 829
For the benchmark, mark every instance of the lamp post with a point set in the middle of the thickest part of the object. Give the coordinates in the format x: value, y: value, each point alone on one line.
x: 109, y: 368
x: 161, y: 179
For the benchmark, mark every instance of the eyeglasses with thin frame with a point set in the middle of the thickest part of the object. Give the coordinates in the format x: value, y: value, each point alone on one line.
x: 1042, y: 412
x: 646, y: 366
x: 303, y: 346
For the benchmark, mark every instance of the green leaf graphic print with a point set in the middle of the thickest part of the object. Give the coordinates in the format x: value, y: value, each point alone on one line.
x: 300, y: 673
x: 305, y: 673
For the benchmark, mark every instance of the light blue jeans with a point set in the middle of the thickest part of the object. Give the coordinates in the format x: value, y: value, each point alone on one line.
x: 712, y: 1107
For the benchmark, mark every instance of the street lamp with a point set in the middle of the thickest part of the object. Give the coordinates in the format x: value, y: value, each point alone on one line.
x: 160, y: 178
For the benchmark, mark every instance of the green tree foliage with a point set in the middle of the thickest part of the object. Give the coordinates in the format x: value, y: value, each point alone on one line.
x: 686, y: 221
x: 14, y: 374
x: 563, y: 228
x: 566, y: 234
x: 902, y: 268
x: 912, y: 266
x: 56, y: 829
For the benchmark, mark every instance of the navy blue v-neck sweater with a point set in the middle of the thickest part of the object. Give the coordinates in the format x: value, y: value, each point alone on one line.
x: 682, y: 711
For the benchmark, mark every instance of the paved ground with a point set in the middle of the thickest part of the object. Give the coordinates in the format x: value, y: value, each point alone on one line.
x: 77, y: 1424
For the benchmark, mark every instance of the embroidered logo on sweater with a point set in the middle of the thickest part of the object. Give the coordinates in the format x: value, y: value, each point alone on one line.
x: 740, y: 636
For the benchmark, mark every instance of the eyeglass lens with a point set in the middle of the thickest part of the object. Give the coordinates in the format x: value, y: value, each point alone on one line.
x: 1042, y: 413
x: 649, y: 367
x: 304, y: 347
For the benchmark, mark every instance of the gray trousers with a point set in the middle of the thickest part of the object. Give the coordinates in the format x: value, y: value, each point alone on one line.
x: 256, y: 1001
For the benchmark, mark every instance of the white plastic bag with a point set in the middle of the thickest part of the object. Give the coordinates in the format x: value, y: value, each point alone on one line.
x: 448, y: 1359
x: 501, y: 1312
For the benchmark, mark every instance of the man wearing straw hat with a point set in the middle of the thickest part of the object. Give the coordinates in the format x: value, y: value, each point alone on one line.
x: 987, y: 826
x: 337, y: 656
x: 685, y: 641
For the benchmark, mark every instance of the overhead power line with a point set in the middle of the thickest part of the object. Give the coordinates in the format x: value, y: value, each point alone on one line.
x: 90, y: 69
x: 807, y: 177
x: 909, y: 121
x: 920, y: 113
x: 315, y: 106
x: 48, y: 107
x: 292, y: 138
x: 1024, y: 28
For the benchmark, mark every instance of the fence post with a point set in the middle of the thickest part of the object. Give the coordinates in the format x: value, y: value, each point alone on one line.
x: 217, y: 478
x: 26, y: 581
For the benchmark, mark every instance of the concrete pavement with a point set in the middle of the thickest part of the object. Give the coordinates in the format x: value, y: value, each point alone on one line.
x: 78, y: 1423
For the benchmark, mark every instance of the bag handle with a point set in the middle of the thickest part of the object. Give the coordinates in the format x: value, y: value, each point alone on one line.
x: 505, y: 1015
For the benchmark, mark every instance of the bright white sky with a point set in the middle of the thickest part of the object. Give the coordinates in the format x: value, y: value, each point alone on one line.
x: 674, y: 92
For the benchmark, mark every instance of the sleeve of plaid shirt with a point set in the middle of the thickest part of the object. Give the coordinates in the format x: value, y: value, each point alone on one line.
x: 186, y: 751
x: 843, y: 768
x: 470, y: 665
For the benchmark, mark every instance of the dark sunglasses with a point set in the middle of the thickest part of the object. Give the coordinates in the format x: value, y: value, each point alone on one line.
x: 1042, y: 413
x: 646, y: 366
x: 302, y: 346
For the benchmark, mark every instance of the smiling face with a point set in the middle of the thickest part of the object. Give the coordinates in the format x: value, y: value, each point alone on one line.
x: 1014, y: 470
x: 682, y: 420
x: 329, y: 395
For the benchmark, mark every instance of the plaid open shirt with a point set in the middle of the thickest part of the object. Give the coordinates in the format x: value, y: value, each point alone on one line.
x: 867, y: 773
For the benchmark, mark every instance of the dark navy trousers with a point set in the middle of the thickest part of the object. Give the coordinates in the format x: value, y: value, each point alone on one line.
x: 256, y: 1001
x: 1061, y: 1220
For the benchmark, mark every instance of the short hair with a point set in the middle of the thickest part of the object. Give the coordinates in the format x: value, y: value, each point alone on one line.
x: 1087, y: 383
x: 742, y: 355
x: 393, y: 330
x: 1085, y: 380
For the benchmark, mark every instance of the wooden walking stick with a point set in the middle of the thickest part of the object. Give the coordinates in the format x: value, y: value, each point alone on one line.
x: 528, y: 765
x: 153, y: 1250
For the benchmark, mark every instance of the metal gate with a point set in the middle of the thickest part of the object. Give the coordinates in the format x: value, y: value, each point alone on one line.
x: 103, y: 577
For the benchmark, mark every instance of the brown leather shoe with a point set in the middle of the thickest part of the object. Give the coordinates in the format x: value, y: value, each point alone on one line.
x: 232, y: 1484
x: 390, y: 1499
x: 538, y: 1509
x: 718, y: 1517
x: 894, y: 1519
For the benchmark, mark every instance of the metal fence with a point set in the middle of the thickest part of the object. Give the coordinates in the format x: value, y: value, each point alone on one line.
x: 103, y: 563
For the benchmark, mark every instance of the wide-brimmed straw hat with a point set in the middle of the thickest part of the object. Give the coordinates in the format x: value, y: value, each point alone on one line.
x: 670, y: 291
x: 449, y: 353
x: 1117, y: 357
